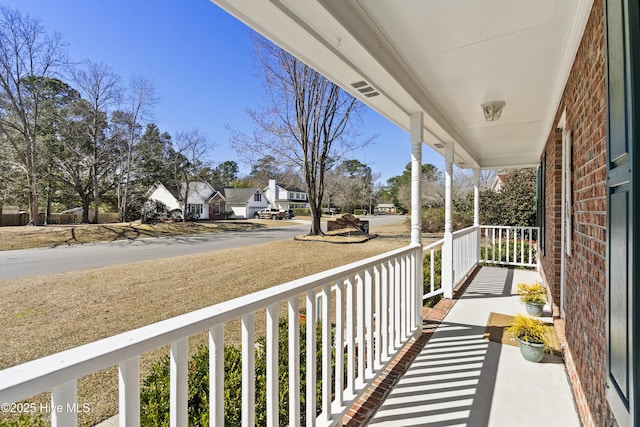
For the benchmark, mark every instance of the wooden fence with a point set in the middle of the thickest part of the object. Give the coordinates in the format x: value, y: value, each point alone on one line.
x: 56, y: 218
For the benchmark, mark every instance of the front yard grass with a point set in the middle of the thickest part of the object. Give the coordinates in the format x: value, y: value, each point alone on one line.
x: 26, y: 237
x: 46, y: 314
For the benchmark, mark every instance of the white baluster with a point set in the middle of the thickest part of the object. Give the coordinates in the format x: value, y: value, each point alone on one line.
x: 216, y: 375
x: 273, y: 392
x: 248, y: 370
x: 179, y: 389
x: 129, y: 392
x: 294, y: 362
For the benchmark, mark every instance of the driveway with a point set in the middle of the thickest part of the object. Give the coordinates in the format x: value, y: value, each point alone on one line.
x: 32, y: 262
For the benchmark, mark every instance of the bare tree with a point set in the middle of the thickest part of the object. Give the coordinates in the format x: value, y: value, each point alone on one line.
x: 487, y: 176
x: 27, y: 54
x: 308, y: 121
x: 189, y: 149
x: 140, y: 97
x: 433, y: 188
x: 100, y: 88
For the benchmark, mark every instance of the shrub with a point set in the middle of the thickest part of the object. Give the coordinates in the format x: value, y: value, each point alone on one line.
x: 433, y: 220
x: 437, y: 276
x: 153, y: 211
x: 301, y: 211
x: 24, y: 420
x: 533, y: 293
x: 359, y: 212
x: 154, y: 401
x: 528, y: 329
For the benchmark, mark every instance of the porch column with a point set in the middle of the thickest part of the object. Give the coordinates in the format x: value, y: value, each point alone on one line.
x: 447, y: 248
x: 417, y: 137
x: 476, y: 210
x: 476, y: 197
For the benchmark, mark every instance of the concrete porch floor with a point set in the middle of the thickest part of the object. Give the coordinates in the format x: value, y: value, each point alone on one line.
x: 458, y: 378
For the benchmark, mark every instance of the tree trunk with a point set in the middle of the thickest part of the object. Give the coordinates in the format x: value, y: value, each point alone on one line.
x: 316, y: 229
x: 32, y: 179
x: 96, y: 193
x: 47, y: 212
x: 34, y: 217
x: 85, y: 209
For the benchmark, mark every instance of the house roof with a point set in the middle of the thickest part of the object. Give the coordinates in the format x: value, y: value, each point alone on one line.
x: 498, y: 181
x: 292, y: 188
x: 171, y: 189
x: 441, y: 58
x: 213, y: 195
x: 239, y: 195
x: 203, y: 189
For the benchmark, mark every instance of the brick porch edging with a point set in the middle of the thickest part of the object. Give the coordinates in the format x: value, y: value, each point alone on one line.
x: 577, y: 390
x: 375, y: 394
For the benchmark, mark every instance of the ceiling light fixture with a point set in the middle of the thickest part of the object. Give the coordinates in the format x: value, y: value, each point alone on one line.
x: 492, y: 110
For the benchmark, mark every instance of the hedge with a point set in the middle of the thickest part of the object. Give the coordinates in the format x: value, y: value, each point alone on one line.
x: 154, y: 401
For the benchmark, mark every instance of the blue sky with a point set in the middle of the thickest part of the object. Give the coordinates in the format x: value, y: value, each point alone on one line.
x: 200, y: 60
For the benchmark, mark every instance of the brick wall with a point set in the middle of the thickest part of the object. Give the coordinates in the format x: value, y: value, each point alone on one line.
x: 553, y: 221
x: 584, y: 99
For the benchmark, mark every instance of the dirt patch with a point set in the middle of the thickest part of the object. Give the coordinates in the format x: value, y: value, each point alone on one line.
x: 342, y: 236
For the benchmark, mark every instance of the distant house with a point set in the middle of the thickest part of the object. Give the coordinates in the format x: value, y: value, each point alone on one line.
x: 284, y: 197
x: 498, y: 182
x: 386, y: 208
x: 203, y: 202
x: 244, y: 202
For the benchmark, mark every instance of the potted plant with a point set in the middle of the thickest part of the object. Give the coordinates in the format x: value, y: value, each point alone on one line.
x: 531, y: 335
x: 534, y: 296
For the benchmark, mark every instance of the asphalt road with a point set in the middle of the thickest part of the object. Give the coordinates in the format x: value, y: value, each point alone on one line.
x: 31, y: 262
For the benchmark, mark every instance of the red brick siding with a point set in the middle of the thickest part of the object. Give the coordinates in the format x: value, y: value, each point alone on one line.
x: 212, y: 213
x: 553, y: 221
x: 584, y: 99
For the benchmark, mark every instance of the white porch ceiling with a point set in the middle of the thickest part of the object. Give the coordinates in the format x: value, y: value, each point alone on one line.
x: 442, y: 57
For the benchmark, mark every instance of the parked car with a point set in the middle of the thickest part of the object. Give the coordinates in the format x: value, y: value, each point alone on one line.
x: 269, y: 213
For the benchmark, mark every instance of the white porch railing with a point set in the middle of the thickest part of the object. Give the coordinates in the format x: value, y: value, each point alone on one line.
x: 465, y: 253
x: 375, y: 306
x: 465, y: 258
x: 502, y: 245
x: 516, y: 246
x: 432, y: 258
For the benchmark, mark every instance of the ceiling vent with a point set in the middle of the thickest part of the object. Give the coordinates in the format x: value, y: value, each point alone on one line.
x: 438, y: 145
x: 365, y: 88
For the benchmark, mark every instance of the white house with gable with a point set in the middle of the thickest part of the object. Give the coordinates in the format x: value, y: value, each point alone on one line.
x: 285, y: 197
x: 198, y: 199
x: 244, y: 202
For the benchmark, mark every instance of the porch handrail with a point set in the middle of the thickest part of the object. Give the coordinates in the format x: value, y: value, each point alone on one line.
x: 384, y: 287
x: 509, y: 245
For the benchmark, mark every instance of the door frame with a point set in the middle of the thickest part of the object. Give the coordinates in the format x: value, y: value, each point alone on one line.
x: 566, y: 210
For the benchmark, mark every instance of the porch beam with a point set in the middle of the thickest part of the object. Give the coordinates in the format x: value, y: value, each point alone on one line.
x: 447, y: 247
x: 416, y: 136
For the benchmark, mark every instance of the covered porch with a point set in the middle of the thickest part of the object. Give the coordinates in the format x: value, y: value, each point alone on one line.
x: 438, y: 70
x: 360, y: 321
x: 454, y: 375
